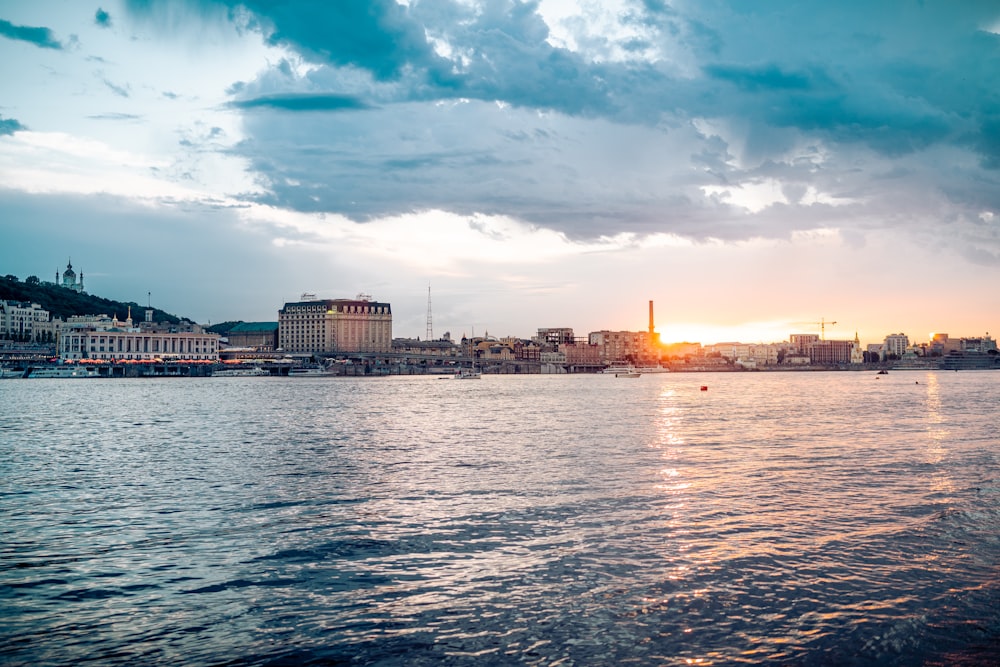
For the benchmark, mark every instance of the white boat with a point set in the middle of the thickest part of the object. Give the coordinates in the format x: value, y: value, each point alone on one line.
x: 306, y: 371
x: 468, y: 374
x: 10, y: 373
x: 63, y: 372
x: 622, y: 371
x: 254, y: 371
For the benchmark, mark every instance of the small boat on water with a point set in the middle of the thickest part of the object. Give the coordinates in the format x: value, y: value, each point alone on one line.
x: 627, y: 373
x: 307, y: 371
x: 63, y: 372
x: 468, y: 374
x: 254, y: 371
x: 471, y: 373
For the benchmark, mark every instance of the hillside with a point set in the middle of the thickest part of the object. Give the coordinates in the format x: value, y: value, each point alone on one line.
x: 63, y: 303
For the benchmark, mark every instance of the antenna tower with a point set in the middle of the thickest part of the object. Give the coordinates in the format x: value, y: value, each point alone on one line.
x: 430, y: 320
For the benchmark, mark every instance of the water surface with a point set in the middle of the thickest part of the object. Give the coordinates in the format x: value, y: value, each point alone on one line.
x: 787, y: 518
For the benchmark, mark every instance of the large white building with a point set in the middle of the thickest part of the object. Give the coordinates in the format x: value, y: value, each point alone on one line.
x: 335, y: 325
x: 895, y: 344
x: 748, y: 354
x: 23, y: 321
x: 123, y: 342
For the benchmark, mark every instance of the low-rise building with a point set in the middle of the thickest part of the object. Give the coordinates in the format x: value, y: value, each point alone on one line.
x: 582, y: 357
x: 261, y: 336
x: 124, y: 342
x: 438, y: 349
x: 749, y: 355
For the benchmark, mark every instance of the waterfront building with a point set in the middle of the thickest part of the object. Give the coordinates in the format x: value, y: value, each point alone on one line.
x: 100, y: 322
x: 527, y: 350
x: 942, y: 343
x: 796, y: 359
x: 262, y: 336
x: 895, y: 344
x: 801, y: 342
x: 335, y: 325
x: 553, y: 336
x: 831, y: 352
x: 637, y: 347
x: 24, y: 321
x: 553, y: 358
x: 748, y: 355
x: 124, y: 342
x: 438, y: 349
x: 983, y: 345
x: 582, y: 357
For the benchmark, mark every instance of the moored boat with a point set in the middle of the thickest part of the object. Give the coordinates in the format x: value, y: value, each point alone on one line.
x: 253, y: 371
x: 307, y: 371
x: 62, y: 372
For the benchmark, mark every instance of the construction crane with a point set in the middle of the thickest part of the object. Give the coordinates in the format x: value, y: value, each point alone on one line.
x: 822, y: 327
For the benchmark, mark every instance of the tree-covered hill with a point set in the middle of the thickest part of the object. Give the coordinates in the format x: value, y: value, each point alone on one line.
x: 63, y: 303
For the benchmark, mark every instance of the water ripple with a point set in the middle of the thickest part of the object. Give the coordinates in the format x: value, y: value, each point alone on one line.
x: 521, y: 520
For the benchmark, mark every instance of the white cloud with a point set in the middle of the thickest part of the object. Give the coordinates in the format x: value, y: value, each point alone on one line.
x: 753, y: 196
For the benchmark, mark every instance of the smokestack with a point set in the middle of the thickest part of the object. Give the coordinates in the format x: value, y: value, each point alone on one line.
x: 651, y: 317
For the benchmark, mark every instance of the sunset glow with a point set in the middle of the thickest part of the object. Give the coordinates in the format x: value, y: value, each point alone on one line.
x: 596, y: 157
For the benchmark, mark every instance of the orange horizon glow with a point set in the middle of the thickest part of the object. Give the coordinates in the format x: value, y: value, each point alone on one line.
x: 710, y: 334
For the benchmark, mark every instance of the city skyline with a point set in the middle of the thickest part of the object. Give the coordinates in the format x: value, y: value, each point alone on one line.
x: 752, y: 170
x: 68, y: 278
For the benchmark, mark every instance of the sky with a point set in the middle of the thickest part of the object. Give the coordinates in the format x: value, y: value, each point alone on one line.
x: 753, y: 169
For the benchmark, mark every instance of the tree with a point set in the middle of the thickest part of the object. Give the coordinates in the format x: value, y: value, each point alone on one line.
x: 31, y: 280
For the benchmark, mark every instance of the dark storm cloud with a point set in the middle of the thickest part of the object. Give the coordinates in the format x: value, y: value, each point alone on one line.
x: 102, y: 18
x: 770, y: 77
x: 301, y: 102
x: 10, y: 126
x: 40, y: 37
x: 817, y: 98
x: 377, y: 35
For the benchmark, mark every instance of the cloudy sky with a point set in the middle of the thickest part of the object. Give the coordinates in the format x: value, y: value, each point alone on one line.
x: 753, y: 168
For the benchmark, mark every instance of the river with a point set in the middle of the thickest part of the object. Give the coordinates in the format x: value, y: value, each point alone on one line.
x: 808, y: 518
